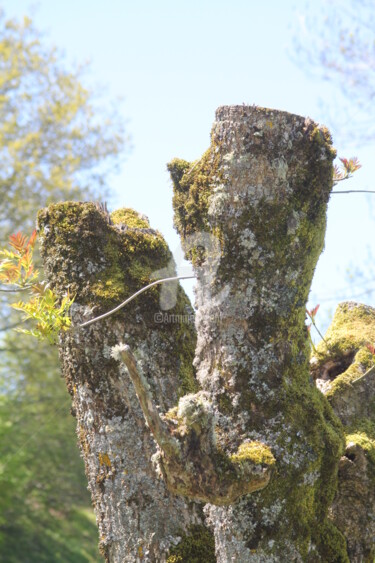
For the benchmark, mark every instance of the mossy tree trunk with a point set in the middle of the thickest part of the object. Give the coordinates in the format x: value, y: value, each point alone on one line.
x: 102, y: 261
x: 248, y: 446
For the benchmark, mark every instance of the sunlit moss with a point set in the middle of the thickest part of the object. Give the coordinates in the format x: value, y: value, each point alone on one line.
x: 254, y: 452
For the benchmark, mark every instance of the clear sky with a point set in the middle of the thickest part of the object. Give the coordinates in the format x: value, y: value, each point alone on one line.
x: 174, y: 63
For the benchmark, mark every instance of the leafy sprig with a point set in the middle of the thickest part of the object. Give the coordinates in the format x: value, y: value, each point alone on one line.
x: 17, y: 266
x: 49, y: 314
x: 311, y: 315
x: 346, y: 169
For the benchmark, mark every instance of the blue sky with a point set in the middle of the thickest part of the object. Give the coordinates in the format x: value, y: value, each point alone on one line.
x: 174, y: 63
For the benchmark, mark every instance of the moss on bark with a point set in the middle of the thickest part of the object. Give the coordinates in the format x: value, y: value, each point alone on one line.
x: 262, y: 190
x: 344, y: 368
x: 102, y: 261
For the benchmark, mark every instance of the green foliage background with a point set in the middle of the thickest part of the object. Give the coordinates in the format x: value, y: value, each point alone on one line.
x: 52, y: 148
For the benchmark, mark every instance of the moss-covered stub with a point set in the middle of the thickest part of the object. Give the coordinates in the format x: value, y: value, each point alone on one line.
x: 198, y: 467
x: 97, y: 262
x: 343, y: 356
x: 102, y: 264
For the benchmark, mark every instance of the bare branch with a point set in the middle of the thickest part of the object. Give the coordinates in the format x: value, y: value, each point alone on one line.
x: 167, y: 443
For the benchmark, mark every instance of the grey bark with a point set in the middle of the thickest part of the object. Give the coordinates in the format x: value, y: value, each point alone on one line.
x: 138, y: 519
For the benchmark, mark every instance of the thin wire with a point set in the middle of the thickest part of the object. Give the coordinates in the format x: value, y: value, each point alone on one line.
x: 16, y: 289
x: 353, y: 192
x: 105, y: 315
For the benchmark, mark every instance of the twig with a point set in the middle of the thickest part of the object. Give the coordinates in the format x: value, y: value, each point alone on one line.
x: 157, y: 426
x: 312, y: 318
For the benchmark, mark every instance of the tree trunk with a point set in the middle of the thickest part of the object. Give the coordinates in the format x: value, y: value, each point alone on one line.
x: 101, y: 264
x: 249, y: 446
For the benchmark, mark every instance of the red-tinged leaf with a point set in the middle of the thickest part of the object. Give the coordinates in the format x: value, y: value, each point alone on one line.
x: 32, y: 240
x: 344, y: 161
x: 315, y: 310
x: 337, y: 174
x: 26, y: 259
x: 354, y: 164
x: 371, y: 347
x: 18, y: 241
x: 350, y: 165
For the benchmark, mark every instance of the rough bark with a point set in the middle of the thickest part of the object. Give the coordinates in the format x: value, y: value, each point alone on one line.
x: 252, y: 437
x: 262, y: 189
x: 102, y: 264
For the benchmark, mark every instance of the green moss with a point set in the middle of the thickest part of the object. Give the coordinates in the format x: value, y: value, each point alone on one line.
x: 363, y: 361
x: 362, y: 439
x: 192, y: 187
x: 362, y: 433
x: 332, y: 544
x: 255, y: 452
x: 353, y: 327
x: 197, y: 546
x: 305, y: 504
x: 104, y: 460
x: 321, y: 137
x: 130, y: 218
x: 80, y: 234
x: 225, y: 403
x: 185, y: 336
x: 109, y: 284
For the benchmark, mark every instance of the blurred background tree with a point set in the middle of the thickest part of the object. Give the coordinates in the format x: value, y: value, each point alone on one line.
x: 336, y: 41
x: 53, y: 147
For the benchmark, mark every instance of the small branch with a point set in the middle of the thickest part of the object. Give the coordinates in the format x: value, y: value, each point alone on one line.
x: 105, y: 315
x: 312, y: 318
x: 192, y: 449
x: 158, y: 428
